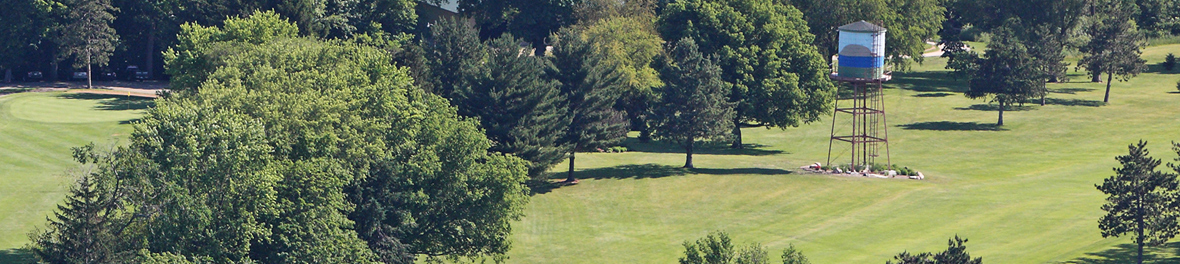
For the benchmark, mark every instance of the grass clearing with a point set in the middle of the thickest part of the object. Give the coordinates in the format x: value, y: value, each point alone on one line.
x: 1022, y: 193
x: 37, y: 131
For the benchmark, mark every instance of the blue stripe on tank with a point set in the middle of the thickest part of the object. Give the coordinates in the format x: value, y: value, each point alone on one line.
x: 862, y: 62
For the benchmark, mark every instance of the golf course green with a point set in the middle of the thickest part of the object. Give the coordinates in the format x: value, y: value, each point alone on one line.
x: 1021, y: 193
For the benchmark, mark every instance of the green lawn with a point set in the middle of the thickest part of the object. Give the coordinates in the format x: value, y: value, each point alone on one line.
x: 1022, y: 193
x: 37, y: 131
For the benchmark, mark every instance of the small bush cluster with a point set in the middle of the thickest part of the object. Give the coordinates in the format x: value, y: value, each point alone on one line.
x: 876, y: 168
x: 615, y: 149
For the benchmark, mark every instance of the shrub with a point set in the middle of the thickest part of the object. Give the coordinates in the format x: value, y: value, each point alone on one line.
x: 1177, y: 86
x: 617, y: 149
x: 1170, y: 62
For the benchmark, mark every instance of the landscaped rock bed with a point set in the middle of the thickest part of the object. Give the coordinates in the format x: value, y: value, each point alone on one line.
x: 904, y: 173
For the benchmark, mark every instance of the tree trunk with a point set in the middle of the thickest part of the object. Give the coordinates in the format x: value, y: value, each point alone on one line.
x: 737, y: 135
x: 89, y: 74
x: 151, y: 52
x: 1000, y: 122
x: 1139, y: 214
x: 688, y: 149
x: 8, y: 75
x: 1109, y: 77
x: 53, y: 71
x: 569, y: 178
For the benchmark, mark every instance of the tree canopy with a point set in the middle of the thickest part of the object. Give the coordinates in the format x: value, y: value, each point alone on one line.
x: 1006, y: 74
x: 910, y: 24
x: 776, y: 77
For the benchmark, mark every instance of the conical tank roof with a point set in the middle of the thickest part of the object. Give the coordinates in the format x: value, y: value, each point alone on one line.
x: 862, y: 26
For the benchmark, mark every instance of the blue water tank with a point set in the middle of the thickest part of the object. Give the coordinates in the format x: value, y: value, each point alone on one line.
x: 862, y: 51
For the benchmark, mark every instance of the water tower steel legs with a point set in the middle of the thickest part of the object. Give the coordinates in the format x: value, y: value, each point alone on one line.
x: 868, y: 120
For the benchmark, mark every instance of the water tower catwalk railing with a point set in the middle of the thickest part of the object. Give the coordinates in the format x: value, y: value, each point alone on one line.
x: 869, y: 127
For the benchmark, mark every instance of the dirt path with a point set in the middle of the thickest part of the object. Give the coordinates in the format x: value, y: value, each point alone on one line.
x: 138, y: 89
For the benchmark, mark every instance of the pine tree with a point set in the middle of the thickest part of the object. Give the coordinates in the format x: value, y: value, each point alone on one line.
x: 518, y: 105
x: 1142, y: 201
x: 1114, y: 45
x: 87, y: 35
x: 590, y: 85
x: 693, y: 105
x: 83, y: 228
x: 453, y: 53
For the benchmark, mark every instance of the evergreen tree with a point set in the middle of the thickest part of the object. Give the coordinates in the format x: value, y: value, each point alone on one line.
x: 87, y: 36
x: 1114, y: 46
x: 955, y: 253
x: 519, y: 106
x: 693, y: 105
x: 1006, y: 74
x: 1141, y: 201
x: 84, y: 228
x: 591, y: 85
x: 454, y: 55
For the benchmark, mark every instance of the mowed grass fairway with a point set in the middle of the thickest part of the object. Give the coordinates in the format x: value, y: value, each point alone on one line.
x: 37, y: 131
x: 1022, y: 193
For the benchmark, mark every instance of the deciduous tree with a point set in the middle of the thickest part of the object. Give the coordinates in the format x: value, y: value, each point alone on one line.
x: 777, y: 78
x: 1006, y: 74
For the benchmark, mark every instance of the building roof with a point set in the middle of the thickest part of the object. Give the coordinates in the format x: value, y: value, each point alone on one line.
x: 862, y: 26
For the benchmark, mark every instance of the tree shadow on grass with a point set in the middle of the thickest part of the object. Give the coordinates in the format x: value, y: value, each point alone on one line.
x: 928, y: 81
x: 708, y: 148
x: 937, y: 94
x: 642, y: 171
x: 14, y: 90
x: 17, y: 256
x: 952, y: 126
x: 1126, y: 253
x: 1070, y: 90
x: 996, y: 107
x: 117, y: 102
x: 1073, y: 102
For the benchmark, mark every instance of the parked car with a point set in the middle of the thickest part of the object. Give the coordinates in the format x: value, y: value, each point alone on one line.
x: 133, y: 73
x: 34, y: 76
x: 107, y: 76
x: 79, y: 76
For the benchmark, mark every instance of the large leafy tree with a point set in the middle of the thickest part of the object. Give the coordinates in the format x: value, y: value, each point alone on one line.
x: 302, y: 150
x: 692, y: 106
x: 590, y: 84
x: 910, y: 24
x: 200, y: 50
x: 1006, y: 74
x: 628, y: 38
x: 1141, y: 201
x: 777, y: 78
x: 87, y: 36
x: 1115, y: 45
x: 26, y: 26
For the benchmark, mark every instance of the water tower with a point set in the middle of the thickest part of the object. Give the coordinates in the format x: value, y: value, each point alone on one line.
x: 861, y: 64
